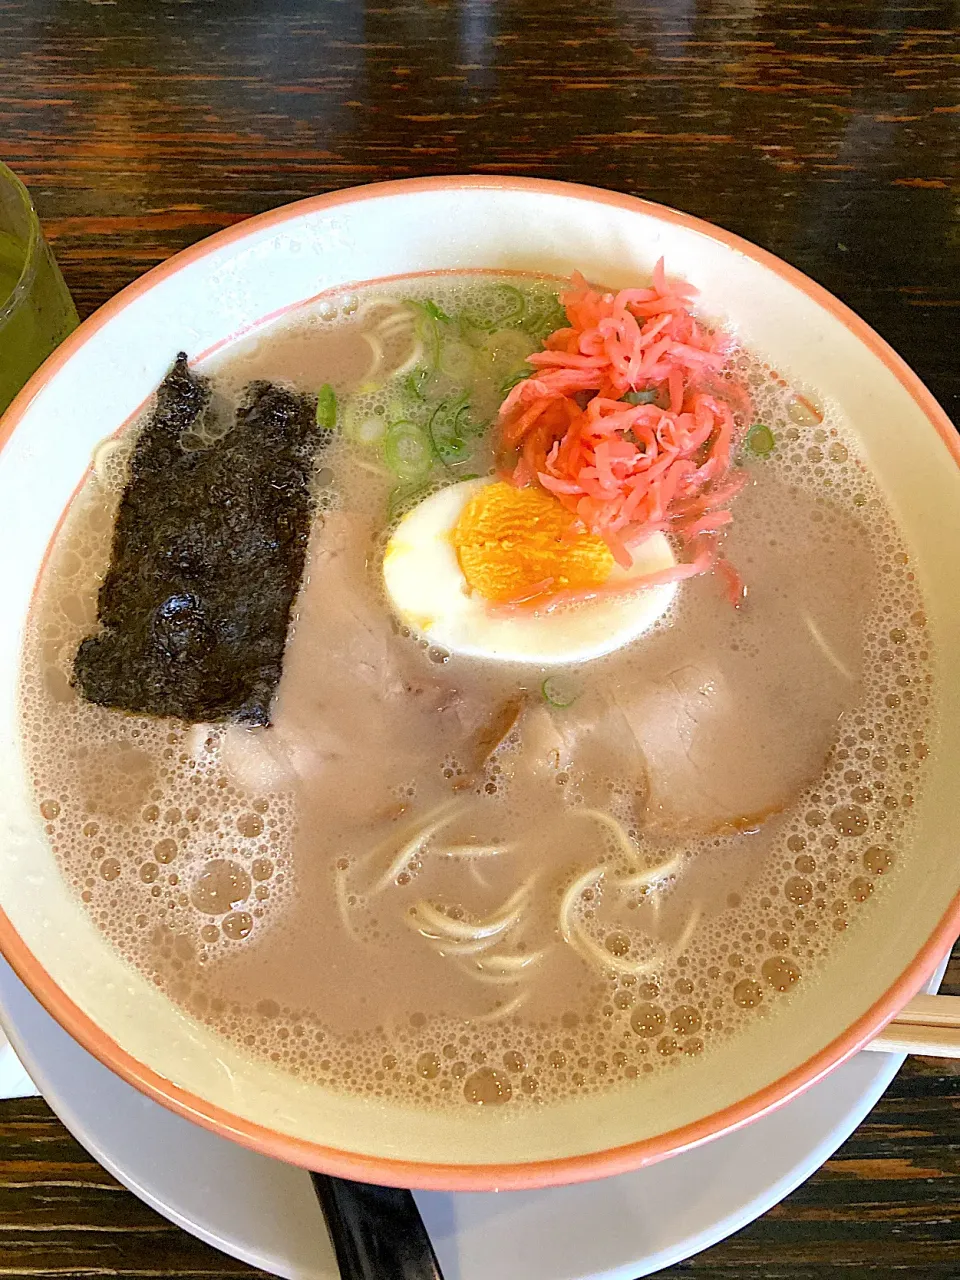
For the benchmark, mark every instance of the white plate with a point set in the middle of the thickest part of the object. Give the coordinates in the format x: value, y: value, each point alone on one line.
x: 265, y: 1213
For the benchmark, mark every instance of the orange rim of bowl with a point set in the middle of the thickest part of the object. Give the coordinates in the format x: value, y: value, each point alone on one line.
x: 517, y: 1175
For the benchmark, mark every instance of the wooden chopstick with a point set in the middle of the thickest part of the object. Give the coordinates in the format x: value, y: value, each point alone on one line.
x: 928, y: 1025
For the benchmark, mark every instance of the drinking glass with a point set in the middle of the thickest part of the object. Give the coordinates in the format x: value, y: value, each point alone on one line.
x: 36, y: 310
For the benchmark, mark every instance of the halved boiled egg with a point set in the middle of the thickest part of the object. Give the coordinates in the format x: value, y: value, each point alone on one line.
x: 459, y: 562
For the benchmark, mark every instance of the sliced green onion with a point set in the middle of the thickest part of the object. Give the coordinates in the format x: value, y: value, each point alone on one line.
x: 760, y: 440
x: 406, y: 452
x: 508, y: 348
x: 471, y: 329
x: 507, y: 310
x: 516, y: 305
x: 370, y: 430
x: 429, y: 318
x: 403, y: 497
x: 559, y: 691
x: 545, y: 318
x: 435, y: 312
x: 508, y: 384
x: 458, y: 361
x: 398, y: 406
x: 463, y: 426
x: 364, y: 428
x: 470, y: 320
x: 641, y: 397
x: 427, y: 307
x: 327, y: 407
x: 444, y: 434
x: 413, y: 383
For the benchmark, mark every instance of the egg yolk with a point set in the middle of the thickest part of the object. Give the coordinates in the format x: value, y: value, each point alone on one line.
x: 516, y: 543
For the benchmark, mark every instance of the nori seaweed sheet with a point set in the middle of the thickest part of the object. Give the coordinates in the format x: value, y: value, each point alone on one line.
x: 207, y: 556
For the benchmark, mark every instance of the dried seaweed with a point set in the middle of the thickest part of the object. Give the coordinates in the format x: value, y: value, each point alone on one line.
x: 207, y: 556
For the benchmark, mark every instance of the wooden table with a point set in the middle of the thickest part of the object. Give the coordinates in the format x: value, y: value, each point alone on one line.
x: 826, y: 132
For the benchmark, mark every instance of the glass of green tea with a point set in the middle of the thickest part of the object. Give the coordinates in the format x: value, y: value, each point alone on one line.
x: 36, y: 310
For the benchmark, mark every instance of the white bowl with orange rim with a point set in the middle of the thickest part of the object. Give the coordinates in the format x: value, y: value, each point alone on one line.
x: 227, y: 285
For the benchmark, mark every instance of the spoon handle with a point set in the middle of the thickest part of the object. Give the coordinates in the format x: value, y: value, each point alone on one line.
x: 377, y: 1232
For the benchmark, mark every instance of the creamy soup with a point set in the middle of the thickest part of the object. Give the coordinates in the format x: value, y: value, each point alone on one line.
x: 455, y: 879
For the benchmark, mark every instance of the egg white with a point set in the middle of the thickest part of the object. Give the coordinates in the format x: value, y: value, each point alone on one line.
x: 429, y: 593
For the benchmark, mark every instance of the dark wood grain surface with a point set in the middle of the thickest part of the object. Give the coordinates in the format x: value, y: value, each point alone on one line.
x: 827, y: 132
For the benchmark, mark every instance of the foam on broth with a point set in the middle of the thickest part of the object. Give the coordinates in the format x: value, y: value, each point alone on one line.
x: 763, y: 764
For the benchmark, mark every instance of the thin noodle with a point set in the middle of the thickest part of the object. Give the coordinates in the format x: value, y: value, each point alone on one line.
x: 387, y: 328
x: 637, y: 879
x: 474, y: 850
x: 373, y: 467
x: 650, y: 875
x: 477, y: 875
x: 377, y: 304
x: 826, y: 649
x: 393, y: 324
x: 102, y: 456
x: 688, y: 930
x: 500, y: 970
x: 512, y: 962
x: 495, y: 1015
x: 439, y: 924
x: 492, y: 979
x: 612, y: 825
x: 373, y: 342
x: 445, y: 946
x: 604, y: 959
x: 570, y: 898
x: 435, y: 820
x: 343, y: 907
x: 433, y: 923
x: 412, y: 360
x: 576, y: 936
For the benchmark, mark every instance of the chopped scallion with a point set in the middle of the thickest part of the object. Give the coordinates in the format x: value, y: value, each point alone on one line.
x: 414, y: 382
x: 403, y: 497
x: 516, y: 305
x: 458, y: 361
x: 429, y: 317
x: 559, y: 691
x: 406, y: 452
x: 503, y: 307
x: 545, y: 318
x: 509, y: 383
x: 435, y: 312
x: 327, y: 407
x: 444, y: 431
x: 760, y: 440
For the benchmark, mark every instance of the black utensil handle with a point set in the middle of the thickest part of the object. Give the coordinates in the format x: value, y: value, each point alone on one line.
x: 377, y: 1232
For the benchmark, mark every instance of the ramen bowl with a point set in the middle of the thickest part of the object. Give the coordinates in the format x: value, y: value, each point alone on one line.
x: 208, y: 295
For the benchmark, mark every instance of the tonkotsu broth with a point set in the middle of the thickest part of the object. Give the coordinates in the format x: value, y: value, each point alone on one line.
x: 765, y: 760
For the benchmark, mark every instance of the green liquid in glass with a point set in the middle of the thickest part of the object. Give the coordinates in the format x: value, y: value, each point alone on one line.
x: 33, y: 323
x: 11, y: 264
